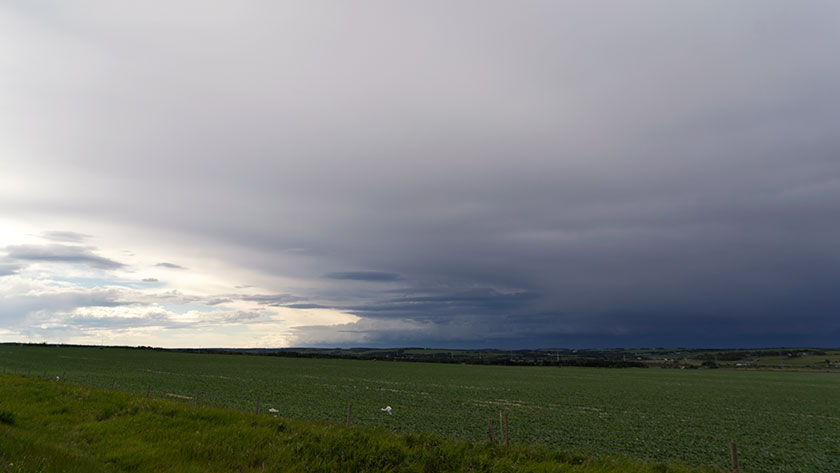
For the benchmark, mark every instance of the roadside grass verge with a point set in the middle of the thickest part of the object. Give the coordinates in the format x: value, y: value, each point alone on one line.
x: 53, y: 426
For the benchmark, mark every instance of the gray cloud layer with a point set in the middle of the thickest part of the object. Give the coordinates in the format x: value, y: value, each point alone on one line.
x: 57, y: 253
x: 7, y: 269
x: 64, y: 236
x: 169, y: 266
x: 369, y: 276
x: 540, y: 173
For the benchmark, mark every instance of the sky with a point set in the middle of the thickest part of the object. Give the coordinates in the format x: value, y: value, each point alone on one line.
x: 434, y: 174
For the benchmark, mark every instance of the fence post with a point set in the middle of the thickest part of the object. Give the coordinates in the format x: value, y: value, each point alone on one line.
x: 733, y: 453
x: 148, y: 391
x: 113, y: 385
x: 490, y: 429
x: 349, y: 413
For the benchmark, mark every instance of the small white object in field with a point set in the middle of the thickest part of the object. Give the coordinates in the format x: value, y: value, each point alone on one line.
x: 57, y: 378
x: 387, y: 409
x: 273, y: 411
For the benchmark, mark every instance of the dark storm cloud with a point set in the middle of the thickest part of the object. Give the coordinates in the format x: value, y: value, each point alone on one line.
x: 169, y: 266
x: 537, y: 174
x: 369, y: 276
x: 485, y: 302
x: 64, y: 236
x: 57, y: 253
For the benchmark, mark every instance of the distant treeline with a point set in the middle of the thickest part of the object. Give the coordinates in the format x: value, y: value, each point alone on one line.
x: 598, y: 358
x: 736, y: 355
x: 485, y: 357
x: 470, y: 360
x: 560, y: 357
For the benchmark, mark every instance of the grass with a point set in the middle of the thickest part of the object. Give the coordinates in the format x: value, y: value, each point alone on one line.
x: 63, y: 427
x: 7, y: 417
x: 781, y: 421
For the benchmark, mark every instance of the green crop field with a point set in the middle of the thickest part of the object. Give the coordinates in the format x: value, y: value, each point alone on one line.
x: 781, y: 421
x: 48, y: 426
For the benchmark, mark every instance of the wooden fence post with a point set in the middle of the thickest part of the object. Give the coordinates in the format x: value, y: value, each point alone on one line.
x: 349, y: 413
x: 490, y: 429
x: 148, y: 391
x: 733, y: 454
x: 113, y: 385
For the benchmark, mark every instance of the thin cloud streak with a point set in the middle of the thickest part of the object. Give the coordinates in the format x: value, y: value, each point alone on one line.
x: 65, y: 236
x: 368, y: 276
x: 169, y: 266
x: 57, y: 253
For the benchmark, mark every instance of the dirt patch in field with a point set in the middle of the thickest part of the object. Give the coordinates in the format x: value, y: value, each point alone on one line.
x: 179, y: 396
x: 504, y: 402
x: 590, y: 409
x: 401, y: 391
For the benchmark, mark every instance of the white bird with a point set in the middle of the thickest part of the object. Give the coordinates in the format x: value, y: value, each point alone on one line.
x: 273, y: 411
x: 387, y: 409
